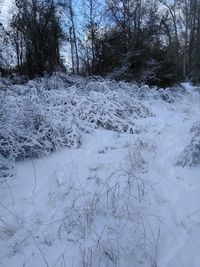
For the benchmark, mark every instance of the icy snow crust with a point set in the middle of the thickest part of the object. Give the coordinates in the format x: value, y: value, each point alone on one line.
x: 118, y: 195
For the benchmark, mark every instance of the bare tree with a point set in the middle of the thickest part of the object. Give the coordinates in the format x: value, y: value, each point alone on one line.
x: 170, y: 21
x: 36, y: 34
x: 92, y: 20
x: 69, y: 12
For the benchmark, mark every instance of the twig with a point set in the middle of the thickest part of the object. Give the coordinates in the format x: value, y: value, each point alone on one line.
x: 13, y: 202
x: 35, y: 178
x: 42, y: 254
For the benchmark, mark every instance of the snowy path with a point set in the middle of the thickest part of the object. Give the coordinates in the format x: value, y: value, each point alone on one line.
x: 33, y: 203
x: 177, y: 190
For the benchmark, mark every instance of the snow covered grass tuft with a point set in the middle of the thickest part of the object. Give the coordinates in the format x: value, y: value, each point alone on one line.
x: 32, y: 127
x: 104, y: 216
x: 101, y: 216
x: 46, y: 114
x: 191, y: 154
x: 6, y: 167
x: 49, y: 113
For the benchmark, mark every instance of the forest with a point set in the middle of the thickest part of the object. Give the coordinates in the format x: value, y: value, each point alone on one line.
x: 148, y: 41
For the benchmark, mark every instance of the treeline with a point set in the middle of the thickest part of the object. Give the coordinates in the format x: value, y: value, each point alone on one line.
x: 151, y: 41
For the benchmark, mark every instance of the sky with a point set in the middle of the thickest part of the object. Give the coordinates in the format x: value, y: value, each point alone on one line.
x: 5, y: 10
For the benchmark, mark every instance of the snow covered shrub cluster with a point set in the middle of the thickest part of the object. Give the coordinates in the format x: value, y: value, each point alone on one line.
x: 31, y: 126
x: 171, y: 94
x: 191, y: 154
x: 6, y: 167
x: 46, y: 114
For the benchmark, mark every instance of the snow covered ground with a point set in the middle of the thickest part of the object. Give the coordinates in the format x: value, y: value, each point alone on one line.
x: 113, y: 197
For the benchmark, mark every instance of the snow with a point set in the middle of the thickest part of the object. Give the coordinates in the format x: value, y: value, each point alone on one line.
x: 45, y: 115
x: 117, y: 198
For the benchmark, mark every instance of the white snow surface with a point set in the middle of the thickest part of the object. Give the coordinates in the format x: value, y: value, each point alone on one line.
x: 111, y: 193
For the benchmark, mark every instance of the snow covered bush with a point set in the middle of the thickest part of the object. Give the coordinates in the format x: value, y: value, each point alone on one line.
x: 171, y: 94
x: 6, y: 167
x: 46, y: 114
x: 49, y: 113
x: 32, y: 128
x: 191, y: 154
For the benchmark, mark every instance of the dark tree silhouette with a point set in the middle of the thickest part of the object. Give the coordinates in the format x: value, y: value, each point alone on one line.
x: 36, y: 33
